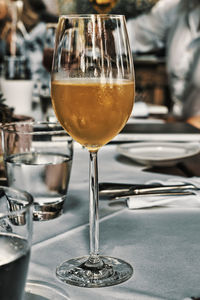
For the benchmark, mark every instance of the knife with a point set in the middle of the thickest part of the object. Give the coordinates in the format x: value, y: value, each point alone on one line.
x: 113, y: 190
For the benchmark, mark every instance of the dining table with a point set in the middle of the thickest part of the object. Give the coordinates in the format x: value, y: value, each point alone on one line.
x: 162, y: 243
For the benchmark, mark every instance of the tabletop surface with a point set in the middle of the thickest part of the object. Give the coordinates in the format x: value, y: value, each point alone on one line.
x: 162, y: 243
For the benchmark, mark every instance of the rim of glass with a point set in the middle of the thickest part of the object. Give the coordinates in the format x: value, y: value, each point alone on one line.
x: 29, y: 199
x: 7, y: 127
x: 88, y: 16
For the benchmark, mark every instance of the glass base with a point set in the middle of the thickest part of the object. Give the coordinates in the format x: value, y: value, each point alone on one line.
x: 47, y: 211
x: 80, y: 272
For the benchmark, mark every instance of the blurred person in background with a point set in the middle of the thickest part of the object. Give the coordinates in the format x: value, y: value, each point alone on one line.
x: 173, y: 25
x: 36, y: 11
x: 35, y: 15
x: 191, y: 109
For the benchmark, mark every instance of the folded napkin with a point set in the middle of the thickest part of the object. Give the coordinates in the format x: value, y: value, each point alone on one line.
x: 147, y: 201
x: 178, y: 180
x: 140, y: 110
x: 188, y: 200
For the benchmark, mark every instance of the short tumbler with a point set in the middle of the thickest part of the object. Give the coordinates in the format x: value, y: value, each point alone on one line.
x: 15, y: 241
x: 38, y: 159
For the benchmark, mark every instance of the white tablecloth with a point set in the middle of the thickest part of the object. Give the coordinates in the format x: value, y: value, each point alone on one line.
x: 162, y: 244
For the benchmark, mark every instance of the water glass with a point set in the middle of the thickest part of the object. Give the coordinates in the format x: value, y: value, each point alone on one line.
x: 38, y: 159
x: 17, y: 85
x: 15, y: 241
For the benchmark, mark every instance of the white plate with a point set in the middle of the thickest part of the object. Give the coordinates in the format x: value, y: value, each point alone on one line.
x: 158, y: 154
x: 39, y: 290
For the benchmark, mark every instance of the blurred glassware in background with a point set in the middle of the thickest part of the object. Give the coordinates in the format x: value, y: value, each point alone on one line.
x: 38, y: 158
x: 15, y: 241
x: 49, y: 46
x: 17, y: 85
x: 16, y: 82
x: 45, y: 89
x: 13, y: 32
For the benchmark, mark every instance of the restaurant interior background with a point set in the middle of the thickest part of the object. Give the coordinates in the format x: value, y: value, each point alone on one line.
x: 161, y: 242
x: 150, y: 89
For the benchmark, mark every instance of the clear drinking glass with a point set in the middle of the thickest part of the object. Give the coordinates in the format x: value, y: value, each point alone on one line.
x: 93, y: 93
x: 15, y: 241
x: 38, y: 159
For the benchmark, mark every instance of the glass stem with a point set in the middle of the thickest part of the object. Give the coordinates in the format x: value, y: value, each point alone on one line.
x: 94, y: 209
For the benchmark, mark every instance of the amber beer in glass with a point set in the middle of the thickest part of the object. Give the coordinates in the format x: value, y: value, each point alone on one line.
x: 92, y: 90
x: 93, y: 112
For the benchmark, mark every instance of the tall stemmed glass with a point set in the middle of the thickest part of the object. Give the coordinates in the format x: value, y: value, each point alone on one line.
x: 93, y: 93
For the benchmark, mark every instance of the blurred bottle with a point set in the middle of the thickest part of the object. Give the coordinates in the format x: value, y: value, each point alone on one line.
x: 45, y: 92
x: 17, y: 85
x: 16, y: 82
x: 49, y: 46
x: 16, y: 67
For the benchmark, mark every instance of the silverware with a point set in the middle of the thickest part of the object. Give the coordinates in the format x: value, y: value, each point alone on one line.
x: 114, y: 190
x: 179, y: 193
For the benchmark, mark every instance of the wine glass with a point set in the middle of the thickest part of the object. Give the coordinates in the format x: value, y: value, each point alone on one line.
x: 92, y: 92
